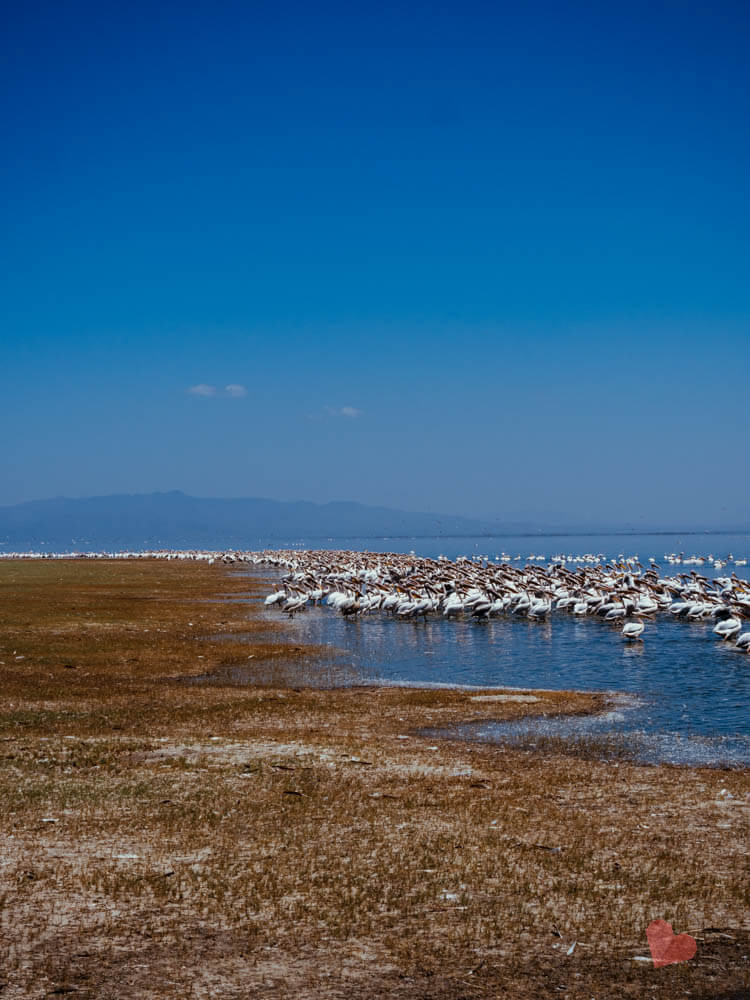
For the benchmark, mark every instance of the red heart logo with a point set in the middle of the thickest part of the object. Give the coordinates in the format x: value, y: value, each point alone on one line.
x: 668, y: 947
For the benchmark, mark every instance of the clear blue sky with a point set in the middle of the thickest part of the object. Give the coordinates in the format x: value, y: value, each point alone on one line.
x: 475, y: 258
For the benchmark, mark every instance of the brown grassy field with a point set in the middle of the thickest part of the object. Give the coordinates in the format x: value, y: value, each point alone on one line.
x: 170, y: 832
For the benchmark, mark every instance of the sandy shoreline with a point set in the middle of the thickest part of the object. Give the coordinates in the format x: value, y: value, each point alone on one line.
x: 164, y: 839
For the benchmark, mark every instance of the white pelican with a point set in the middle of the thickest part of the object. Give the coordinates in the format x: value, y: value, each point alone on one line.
x: 351, y: 606
x: 540, y: 607
x: 294, y: 603
x: 616, y: 611
x: 275, y: 598
x: 632, y: 630
x: 728, y: 628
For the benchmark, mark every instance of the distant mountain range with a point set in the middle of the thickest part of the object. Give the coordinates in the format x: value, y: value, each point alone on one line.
x: 174, y: 520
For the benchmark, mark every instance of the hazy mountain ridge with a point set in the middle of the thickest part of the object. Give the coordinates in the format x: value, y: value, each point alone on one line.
x: 176, y: 520
x: 168, y: 520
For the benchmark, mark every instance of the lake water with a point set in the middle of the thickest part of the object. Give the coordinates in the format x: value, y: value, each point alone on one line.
x: 688, y: 694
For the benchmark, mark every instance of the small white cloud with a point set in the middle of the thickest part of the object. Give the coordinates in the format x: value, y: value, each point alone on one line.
x: 351, y: 412
x: 233, y: 391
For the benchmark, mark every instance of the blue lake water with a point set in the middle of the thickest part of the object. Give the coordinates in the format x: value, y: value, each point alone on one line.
x: 689, y: 693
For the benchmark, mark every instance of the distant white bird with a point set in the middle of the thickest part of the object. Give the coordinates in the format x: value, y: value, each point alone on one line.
x: 391, y: 601
x: 407, y: 608
x: 632, y: 630
x: 351, y: 606
x: 646, y: 606
x: 276, y: 598
x: 522, y: 605
x: 481, y: 609
x: 728, y: 628
x: 294, y: 603
x: 615, y: 612
x: 453, y: 605
x: 680, y: 608
x: 540, y: 607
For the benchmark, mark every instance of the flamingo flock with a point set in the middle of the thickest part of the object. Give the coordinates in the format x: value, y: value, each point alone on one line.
x: 406, y: 586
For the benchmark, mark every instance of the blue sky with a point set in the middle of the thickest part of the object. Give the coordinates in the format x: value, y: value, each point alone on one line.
x: 473, y: 258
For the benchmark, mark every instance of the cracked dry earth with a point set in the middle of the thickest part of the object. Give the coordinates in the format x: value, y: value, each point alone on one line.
x: 170, y: 832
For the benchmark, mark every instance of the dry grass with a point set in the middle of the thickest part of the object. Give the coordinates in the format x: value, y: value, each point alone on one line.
x: 173, y: 838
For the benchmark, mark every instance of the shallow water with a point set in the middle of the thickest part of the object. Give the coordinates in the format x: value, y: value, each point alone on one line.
x: 691, y: 691
x: 688, y: 685
x: 613, y: 735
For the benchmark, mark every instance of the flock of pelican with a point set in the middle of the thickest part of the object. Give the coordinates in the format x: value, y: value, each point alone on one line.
x: 620, y: 591
x: 407, y: 586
